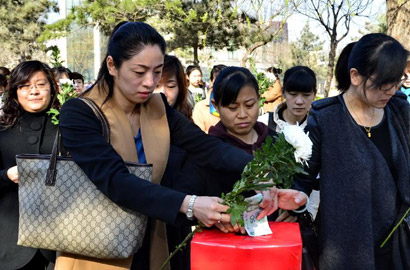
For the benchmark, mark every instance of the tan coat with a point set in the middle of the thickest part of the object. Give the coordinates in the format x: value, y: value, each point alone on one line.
x: 202, y: 116
x: 273, y: 96
x: 156, y: 140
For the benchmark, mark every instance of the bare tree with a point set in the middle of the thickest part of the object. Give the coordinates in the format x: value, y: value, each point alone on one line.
x: 335, y: 16
x: 398, y: 20
x: 263, y: 23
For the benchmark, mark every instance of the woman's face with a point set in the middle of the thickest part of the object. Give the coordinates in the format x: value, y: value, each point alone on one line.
x: 78, y: 86
x: 137, y: 77
x: 380, y: 96
x: 63, y: 76
x: 170, y: 89
x: 195, y: 78
x: 34, y: 95
x: 240, y: 117
x: 406, y: 78
x: 376, y: 97
x: 298, y: 103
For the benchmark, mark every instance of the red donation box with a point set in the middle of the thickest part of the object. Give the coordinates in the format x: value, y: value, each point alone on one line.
x: 215, y: 250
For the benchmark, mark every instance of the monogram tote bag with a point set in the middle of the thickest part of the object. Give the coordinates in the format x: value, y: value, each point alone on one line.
x: 62, y: 210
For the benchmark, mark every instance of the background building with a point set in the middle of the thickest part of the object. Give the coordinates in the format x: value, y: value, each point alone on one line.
x: 84, y: 48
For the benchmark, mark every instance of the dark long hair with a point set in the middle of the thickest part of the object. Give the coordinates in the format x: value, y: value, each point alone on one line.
x: 172, y: 66
x: 299, y: 79
x: 126, y: 40
x: 21, y: 74
x: 229, y: 83
x: 377, y: 55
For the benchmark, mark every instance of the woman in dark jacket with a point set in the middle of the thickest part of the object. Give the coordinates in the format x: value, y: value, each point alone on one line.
x: 236, y: 97
x: 174, y: 86
x: 25, y: 128
x: 361, y: 148
x: 142, y: 128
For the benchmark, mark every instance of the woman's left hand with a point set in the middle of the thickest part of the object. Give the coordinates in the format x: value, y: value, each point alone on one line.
x: 269, y: 203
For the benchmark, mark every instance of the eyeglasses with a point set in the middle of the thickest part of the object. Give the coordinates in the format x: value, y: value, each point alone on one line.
x: 395, y: 86
x: 41, y: 86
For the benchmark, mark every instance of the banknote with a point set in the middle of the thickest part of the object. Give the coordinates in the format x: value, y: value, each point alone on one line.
x: 253, y: 226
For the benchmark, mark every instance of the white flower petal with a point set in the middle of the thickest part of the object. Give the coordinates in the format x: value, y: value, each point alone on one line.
x: 295, y: 135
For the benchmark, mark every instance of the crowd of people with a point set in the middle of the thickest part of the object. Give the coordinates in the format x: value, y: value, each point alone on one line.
x: 200, y: 137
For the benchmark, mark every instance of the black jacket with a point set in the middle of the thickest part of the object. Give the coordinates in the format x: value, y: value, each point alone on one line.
x: 82, y: 137
x: 203, y: 180
x: 34, y: 134
x: 359, y: 195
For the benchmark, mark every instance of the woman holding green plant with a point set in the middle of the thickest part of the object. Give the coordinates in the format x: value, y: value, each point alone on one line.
x: 236, y: 98
x: 143, y: 126
x: 361, y: 148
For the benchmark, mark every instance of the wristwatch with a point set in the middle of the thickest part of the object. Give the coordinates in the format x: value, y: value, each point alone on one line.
x: 190, y: 209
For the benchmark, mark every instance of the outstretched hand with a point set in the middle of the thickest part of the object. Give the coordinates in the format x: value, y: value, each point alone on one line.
x: 290, y: 199
x: 269, y: 203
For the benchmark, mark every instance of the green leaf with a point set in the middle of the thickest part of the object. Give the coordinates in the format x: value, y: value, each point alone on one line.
x: 67, y: 92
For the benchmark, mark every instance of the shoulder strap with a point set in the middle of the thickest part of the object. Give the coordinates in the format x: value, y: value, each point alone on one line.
x: 100, y: 115
x: 51, y: 172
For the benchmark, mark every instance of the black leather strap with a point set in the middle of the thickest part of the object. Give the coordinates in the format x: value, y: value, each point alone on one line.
x: 100, y: 115
x: 51, y: 171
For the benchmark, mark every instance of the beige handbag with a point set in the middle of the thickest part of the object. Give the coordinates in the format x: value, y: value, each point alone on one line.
x: 61, y: 209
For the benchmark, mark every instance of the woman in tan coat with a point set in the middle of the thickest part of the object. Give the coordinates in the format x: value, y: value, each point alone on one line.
x: 142, y: 127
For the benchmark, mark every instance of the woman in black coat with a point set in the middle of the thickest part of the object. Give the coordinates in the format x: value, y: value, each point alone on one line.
x: 142, y: 128
x: 24, y: 128
x: 361, y: 148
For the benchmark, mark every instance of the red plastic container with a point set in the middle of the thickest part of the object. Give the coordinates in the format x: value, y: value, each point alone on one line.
x: 215, y: 250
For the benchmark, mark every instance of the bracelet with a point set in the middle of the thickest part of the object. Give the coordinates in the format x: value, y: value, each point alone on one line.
x: 303, y: 209
x: 190, y: 208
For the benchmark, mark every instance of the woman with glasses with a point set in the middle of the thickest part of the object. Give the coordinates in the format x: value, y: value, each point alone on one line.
x: 361, y: 149
x: 26, y: 128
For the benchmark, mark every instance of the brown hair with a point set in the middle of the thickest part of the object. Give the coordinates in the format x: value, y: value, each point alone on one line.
x: 12, y: 109
x: 172, y: 66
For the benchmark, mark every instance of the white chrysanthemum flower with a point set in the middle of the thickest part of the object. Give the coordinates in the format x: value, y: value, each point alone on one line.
x: 295, y: 135
x: 65, y: 81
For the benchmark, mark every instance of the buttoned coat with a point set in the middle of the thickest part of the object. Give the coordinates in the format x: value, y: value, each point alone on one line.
x: 33, y: 134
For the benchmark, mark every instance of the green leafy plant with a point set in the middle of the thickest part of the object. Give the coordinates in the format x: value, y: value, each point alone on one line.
x: 263, y: 81
x: 274, y: 164
x: 197, y: 97
x: 55, y: 58
x: 67, y: 92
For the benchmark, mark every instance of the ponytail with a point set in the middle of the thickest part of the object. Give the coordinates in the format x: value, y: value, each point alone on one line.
x: 342, y: 68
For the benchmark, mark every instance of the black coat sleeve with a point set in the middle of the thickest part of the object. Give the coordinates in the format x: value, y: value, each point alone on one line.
x: 306, y: 182
x: 82, y: 136
x: 205, y: 150
x: 4, y: 179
